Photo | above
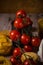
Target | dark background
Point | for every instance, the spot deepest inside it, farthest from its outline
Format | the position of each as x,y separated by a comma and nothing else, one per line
30,6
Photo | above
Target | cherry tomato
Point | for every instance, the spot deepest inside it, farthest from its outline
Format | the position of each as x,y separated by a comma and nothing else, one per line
28,21
29,62
17,52
18,23
13,60
14,35
20,13
26,62
27,48
35,41
25,39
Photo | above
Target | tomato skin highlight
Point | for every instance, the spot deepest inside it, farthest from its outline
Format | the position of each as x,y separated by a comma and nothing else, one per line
21,13
13,60
14,35
22,22
29,62
35,41
26,62
18,23
17,52
27,48
25,39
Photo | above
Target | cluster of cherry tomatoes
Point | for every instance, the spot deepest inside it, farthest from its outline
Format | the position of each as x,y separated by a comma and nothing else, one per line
21,20
28,42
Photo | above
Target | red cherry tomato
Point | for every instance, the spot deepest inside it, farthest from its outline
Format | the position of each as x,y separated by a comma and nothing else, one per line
13,60
27,48
21,13
26,62
25,39
28,21
18,23
17,52
14,35
35,41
